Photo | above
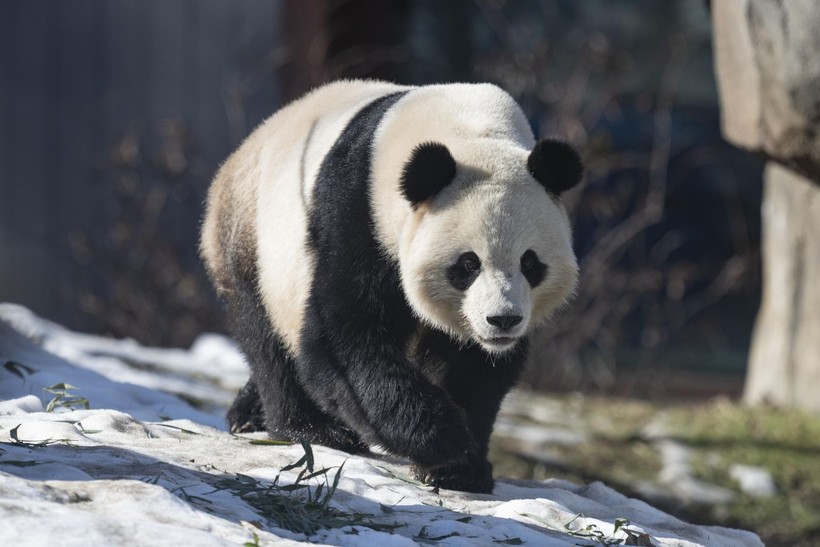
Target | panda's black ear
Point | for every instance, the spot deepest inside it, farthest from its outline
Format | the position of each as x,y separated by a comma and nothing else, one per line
556,165
430,168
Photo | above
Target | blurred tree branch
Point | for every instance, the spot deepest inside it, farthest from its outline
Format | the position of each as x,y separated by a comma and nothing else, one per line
636,290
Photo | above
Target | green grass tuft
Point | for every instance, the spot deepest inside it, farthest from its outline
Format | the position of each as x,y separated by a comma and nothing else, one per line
63,398
303,506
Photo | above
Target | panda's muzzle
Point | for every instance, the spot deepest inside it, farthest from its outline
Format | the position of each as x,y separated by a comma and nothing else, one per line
502,325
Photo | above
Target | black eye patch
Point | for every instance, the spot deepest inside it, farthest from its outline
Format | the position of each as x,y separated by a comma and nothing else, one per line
464,272
533,269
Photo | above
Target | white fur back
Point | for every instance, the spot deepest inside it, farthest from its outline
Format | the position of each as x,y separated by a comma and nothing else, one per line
279,163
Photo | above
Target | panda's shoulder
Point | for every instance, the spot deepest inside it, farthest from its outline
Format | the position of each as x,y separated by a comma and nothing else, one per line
459,94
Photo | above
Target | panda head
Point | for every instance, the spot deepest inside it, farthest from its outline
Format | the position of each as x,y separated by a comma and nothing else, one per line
487,252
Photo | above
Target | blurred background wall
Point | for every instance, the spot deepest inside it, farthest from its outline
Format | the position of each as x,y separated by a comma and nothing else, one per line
115,115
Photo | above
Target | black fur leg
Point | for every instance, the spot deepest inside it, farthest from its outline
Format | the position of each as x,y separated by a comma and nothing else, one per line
474,476
273,395
477,383
384,399
291,415
246,414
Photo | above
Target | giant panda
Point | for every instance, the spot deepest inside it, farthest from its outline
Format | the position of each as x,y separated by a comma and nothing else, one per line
383,252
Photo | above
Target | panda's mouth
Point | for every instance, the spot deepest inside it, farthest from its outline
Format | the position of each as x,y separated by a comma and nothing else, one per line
498,343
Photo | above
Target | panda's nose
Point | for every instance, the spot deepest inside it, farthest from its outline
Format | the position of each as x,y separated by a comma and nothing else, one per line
504,322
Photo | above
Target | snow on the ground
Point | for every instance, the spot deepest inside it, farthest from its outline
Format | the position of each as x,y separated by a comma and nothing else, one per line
753,480
143,467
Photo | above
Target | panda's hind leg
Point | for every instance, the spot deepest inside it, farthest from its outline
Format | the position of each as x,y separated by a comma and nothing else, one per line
273,399
246,414
290,414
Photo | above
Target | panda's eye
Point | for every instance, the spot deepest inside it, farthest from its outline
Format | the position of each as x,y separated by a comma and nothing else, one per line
533,269
528,261
470,262
464,271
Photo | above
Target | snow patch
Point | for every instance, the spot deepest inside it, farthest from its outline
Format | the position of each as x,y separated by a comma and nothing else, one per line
143,467
753,480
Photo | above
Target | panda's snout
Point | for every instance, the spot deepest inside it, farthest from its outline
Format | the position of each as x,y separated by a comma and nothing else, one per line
504,322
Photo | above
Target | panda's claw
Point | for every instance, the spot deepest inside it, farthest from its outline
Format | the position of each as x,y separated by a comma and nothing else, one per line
467,477
246,427
335,437
344,440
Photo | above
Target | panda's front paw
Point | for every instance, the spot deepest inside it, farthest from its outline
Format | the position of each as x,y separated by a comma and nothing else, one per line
342,439
246,414
472,476
443,438
332,435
